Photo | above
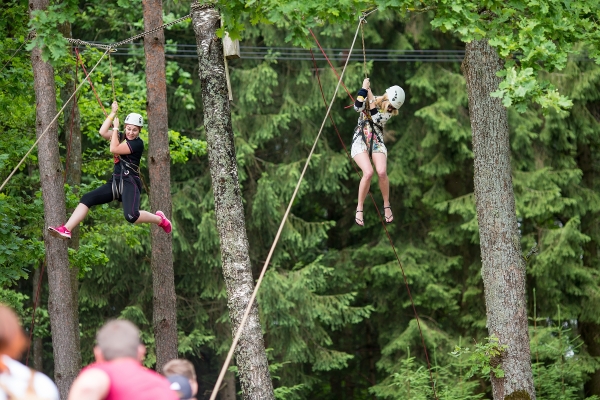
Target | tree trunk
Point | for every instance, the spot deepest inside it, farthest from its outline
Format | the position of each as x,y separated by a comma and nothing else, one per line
228,392
251,358
37,347
590,333
503,268
72,128
62,309
159,164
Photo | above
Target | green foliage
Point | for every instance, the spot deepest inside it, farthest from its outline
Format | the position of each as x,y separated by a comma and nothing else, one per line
334,305
560,367
45,25
484,358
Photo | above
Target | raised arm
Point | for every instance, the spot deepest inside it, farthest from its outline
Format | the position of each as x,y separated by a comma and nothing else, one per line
104,129
91,384
365,96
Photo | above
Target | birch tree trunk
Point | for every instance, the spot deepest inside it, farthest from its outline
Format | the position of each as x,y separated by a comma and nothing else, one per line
503,268
61,307
251,358
159,163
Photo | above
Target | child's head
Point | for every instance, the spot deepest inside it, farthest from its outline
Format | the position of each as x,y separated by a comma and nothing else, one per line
182,367
12,338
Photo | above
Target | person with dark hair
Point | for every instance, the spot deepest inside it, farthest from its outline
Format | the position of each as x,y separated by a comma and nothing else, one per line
16,380
118,373
125,184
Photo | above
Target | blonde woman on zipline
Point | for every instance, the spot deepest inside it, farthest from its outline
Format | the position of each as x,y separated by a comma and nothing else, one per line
367,143
125,184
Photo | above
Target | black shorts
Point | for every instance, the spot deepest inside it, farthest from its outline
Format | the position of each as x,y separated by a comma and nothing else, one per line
130,197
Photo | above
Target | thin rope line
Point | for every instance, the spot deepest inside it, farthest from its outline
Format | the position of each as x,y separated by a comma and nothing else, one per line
72,123
35,303
264,269
51,122
15,53
112,79
362,34
90,81
391,244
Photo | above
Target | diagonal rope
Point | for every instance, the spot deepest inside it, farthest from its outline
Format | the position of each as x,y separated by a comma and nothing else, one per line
15,53
283,221
52,122
386,232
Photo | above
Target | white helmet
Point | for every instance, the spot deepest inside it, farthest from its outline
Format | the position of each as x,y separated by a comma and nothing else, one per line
396,96
137,120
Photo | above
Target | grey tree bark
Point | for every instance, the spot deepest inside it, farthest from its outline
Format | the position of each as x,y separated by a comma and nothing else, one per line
251,358
159,164
503,268
61,307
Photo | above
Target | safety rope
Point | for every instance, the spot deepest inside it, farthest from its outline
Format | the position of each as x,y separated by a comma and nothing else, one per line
283,221
112,79
71,125
363,21
381,219
51,123
90,80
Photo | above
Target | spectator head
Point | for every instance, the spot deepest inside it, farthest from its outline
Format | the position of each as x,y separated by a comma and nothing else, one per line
12,338
119,339
181,385
183,368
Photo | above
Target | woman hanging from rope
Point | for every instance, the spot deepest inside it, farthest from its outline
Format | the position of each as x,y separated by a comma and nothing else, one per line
125,184
368,141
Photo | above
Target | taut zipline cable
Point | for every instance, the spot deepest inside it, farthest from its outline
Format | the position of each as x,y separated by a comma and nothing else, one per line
51,122
284,219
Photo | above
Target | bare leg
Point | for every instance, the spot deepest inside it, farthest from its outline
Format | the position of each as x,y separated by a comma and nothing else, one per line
78,215
148,218
380,161
362,160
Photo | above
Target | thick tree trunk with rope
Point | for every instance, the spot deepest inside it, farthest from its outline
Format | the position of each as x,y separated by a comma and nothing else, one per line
62,309
72,129
159,164
251,358
503,267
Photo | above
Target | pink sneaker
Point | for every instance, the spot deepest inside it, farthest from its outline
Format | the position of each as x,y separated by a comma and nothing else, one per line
60,232
165,223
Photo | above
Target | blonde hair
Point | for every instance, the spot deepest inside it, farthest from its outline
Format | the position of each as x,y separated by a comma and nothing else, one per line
382,103
180,366
12,338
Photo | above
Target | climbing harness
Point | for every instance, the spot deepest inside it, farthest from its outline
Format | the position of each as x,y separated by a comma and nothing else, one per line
129,171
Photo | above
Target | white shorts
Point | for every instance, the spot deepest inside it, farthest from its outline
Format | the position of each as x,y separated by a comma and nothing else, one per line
359,146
